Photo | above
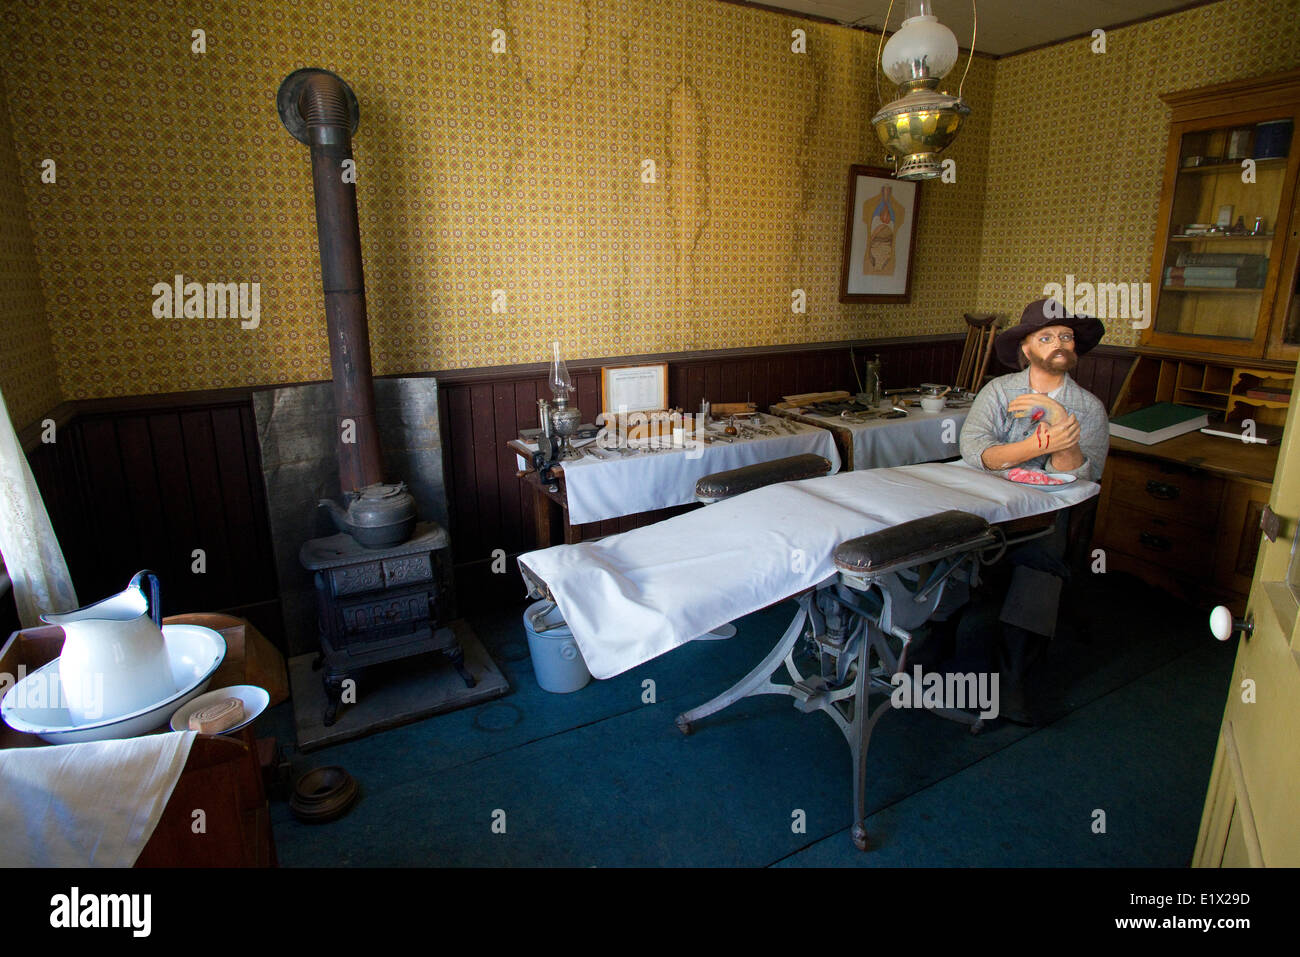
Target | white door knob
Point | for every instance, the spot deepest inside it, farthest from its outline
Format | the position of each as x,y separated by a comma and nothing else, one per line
1223,626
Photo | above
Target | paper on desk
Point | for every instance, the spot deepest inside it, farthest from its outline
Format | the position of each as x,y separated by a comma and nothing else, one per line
631,597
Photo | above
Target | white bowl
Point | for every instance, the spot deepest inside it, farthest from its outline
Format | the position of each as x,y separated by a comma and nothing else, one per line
253,698
35,704
932,403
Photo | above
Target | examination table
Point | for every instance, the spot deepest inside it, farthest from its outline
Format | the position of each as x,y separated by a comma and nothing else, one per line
867,555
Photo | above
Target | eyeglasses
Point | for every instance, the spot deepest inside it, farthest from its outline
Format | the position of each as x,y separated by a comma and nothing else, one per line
1046,339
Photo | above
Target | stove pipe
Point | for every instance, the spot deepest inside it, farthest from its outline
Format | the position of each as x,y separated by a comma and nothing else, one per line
319,109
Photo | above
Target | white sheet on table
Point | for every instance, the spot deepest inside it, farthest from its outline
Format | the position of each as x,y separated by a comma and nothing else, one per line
93,804
884,443
631,597
600,489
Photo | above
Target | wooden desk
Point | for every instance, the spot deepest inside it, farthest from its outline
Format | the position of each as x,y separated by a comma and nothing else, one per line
650,486
551,523
1226,457
1183,514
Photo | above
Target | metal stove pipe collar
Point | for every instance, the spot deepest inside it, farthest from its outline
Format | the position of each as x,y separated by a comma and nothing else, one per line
317,107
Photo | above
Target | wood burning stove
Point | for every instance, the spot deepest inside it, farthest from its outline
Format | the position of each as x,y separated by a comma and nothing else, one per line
379,604
374,604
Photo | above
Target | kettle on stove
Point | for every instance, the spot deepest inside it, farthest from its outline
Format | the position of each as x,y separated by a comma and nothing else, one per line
378,516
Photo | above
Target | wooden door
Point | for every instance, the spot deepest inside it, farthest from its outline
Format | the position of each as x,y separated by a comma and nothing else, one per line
1252,809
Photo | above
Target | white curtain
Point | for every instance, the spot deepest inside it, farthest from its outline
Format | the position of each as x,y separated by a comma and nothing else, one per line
31,552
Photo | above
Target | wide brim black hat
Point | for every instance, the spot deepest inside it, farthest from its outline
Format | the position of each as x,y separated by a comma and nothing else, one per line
1040,314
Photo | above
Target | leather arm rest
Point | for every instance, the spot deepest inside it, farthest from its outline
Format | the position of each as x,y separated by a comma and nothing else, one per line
722,485
914,542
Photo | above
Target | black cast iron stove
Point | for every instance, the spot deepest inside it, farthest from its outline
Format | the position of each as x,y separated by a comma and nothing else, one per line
383,585
380,604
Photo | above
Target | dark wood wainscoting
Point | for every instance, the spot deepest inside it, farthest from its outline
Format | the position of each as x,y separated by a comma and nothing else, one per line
490,509
141,482
169,486
1102,372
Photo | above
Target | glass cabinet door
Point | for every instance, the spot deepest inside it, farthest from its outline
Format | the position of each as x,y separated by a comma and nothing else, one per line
1221,232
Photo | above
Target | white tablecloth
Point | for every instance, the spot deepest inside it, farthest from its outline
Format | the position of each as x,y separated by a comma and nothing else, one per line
626,485
631,597
884,443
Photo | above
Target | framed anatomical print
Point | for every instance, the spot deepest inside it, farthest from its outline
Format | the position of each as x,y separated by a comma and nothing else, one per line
879,227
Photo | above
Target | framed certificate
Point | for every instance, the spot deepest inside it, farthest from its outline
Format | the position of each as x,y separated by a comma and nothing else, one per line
634,388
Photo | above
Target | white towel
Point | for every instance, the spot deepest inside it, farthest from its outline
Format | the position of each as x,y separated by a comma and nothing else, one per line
86,805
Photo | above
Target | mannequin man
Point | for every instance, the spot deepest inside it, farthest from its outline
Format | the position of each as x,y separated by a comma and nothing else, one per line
1038,418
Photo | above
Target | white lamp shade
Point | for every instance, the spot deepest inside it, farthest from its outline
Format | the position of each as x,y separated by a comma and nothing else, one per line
922,47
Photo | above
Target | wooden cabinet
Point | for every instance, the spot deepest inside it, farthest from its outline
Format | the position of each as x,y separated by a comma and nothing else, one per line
1183,515
1188,529
1224,275
1225,337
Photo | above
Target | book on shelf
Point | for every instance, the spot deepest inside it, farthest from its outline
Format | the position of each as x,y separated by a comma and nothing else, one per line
1269,395
1225,277
1235,260
1177,282
1254,434
1158,422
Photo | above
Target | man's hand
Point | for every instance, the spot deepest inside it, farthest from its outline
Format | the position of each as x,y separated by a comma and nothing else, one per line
1059,437
1023,405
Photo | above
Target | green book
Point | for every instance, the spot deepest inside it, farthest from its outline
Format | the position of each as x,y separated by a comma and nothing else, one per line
1158,422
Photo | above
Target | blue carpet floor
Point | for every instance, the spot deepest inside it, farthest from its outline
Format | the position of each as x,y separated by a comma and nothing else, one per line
603,778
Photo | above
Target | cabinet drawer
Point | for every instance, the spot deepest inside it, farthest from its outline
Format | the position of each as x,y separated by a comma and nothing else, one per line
1173,545
1166,490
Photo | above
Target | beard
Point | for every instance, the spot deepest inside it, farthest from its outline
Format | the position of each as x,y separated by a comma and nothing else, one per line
1056,363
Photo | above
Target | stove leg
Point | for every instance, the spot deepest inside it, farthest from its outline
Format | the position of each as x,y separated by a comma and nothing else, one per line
458,662
333,698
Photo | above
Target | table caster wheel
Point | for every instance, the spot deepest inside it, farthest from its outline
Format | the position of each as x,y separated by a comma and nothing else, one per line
859,837
683,725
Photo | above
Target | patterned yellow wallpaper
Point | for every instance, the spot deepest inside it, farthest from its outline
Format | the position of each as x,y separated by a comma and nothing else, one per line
519,171
501,150
1076,152
28,376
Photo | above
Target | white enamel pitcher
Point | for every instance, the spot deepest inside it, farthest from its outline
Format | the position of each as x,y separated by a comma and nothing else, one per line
114,660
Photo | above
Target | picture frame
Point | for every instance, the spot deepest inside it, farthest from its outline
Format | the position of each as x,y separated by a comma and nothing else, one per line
880,221
635,388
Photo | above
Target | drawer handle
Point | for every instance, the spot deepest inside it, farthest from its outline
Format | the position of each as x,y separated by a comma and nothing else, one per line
1156,543
1162,490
